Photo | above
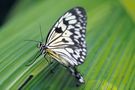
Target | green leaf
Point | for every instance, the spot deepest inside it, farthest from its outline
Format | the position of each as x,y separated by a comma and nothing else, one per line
110,44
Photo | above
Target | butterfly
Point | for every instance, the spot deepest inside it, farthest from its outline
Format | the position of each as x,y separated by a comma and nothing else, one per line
65,41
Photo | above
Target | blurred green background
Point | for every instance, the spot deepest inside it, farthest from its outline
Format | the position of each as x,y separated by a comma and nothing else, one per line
110,63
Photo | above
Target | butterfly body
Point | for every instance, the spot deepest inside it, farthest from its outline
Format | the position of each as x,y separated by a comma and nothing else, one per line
66,40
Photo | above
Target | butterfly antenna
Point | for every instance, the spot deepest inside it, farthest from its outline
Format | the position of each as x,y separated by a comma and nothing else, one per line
41,34
33,41
45,57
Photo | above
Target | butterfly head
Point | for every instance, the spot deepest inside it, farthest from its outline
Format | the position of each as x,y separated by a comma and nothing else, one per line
42,47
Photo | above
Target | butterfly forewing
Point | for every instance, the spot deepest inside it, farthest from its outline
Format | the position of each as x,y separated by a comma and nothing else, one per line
67,37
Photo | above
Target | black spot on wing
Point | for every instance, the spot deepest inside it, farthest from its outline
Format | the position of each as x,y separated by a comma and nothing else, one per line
64,40
58,30
79,60
65,22
75,53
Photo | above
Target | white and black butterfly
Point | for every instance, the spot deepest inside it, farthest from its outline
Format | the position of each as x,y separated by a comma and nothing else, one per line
66,40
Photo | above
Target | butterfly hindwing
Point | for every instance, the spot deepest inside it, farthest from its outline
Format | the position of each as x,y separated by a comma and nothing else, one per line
67,37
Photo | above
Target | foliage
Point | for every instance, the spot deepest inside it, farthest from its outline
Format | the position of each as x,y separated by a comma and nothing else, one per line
110,40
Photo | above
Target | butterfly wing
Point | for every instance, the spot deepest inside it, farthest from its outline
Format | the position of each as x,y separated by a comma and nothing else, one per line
67,37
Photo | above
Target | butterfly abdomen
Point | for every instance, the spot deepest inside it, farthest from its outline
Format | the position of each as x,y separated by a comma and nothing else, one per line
77,75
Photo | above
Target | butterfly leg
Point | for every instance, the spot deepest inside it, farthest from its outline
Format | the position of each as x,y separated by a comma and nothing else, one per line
49,61
34,59
76,74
